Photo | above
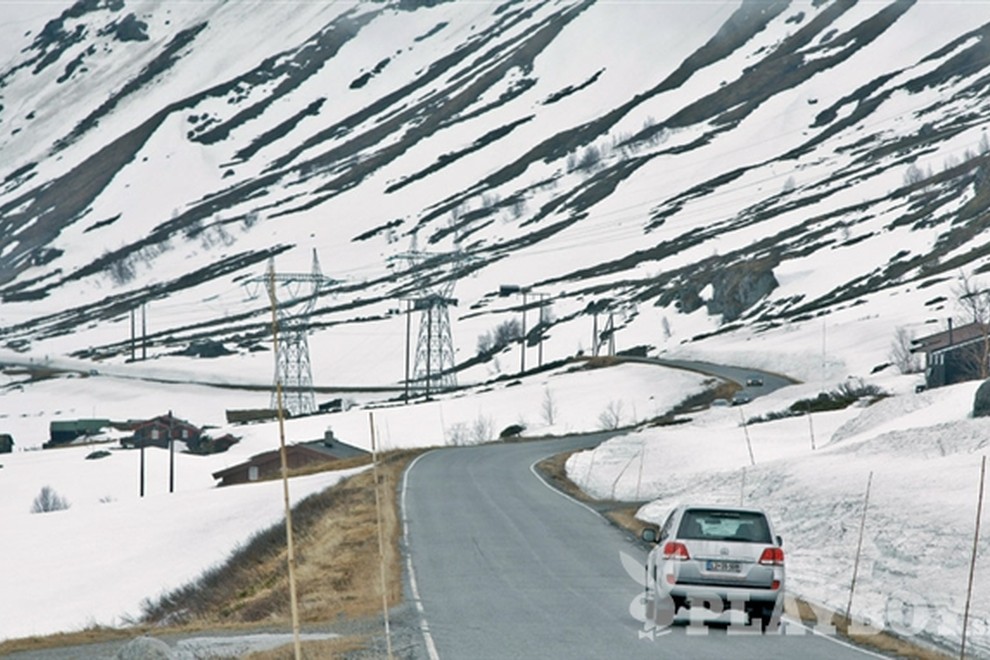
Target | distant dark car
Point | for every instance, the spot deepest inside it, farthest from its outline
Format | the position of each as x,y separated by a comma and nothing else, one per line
754,381
741,398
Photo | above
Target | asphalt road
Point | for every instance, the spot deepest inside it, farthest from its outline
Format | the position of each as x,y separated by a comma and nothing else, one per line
739,375
503,566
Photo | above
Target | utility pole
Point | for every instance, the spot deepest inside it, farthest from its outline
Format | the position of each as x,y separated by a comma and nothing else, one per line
609,331
144,333
611,335
509,289
522,345
171,454
596,307
141,488
409,304
594,334
543,319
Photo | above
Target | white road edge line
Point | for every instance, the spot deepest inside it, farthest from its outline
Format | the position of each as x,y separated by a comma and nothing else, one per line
424,627
532,468
836,640
831,638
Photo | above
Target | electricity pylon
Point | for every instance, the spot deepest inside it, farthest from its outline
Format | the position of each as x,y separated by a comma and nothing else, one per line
434,357
293,371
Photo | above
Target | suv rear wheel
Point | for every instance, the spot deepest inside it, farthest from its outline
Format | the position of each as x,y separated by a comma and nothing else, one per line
768,623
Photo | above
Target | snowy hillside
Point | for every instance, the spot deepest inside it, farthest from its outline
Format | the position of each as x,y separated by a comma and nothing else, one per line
733,167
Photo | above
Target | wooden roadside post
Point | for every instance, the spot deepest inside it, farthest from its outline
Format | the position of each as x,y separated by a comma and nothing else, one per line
290,551
859,548
381,536
972,561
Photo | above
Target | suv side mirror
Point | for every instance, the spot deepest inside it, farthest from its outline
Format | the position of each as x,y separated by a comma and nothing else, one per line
780,541
649,535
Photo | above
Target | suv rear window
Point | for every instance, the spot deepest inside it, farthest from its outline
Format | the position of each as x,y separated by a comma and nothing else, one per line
720,525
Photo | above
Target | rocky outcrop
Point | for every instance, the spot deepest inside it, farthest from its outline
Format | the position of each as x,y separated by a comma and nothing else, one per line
981,401
740,286
145,648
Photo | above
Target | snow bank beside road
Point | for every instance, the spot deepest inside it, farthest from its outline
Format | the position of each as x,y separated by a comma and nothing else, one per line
924,453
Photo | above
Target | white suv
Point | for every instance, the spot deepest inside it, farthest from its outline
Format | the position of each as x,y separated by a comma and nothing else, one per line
719,558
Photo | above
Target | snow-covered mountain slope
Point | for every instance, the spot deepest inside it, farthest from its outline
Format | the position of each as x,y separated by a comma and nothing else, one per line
702,172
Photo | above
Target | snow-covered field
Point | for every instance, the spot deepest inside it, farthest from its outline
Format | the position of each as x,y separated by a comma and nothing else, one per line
112,549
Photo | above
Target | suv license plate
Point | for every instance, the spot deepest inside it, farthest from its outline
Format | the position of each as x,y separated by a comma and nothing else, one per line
723,566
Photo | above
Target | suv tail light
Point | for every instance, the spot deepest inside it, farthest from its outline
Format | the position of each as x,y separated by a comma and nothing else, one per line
772,557
675,550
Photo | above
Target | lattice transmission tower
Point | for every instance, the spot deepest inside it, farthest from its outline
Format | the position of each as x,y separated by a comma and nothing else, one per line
433,366
291,311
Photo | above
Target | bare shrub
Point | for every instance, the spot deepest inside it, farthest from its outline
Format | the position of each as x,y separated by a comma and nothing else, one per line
483,429
504,334
48,500
214,236
854,389
974,300
122,271
548,408
900,352
457,434
486,343
665,328
250,219
590,158
490,200
518,208
913,175
587,161
611,417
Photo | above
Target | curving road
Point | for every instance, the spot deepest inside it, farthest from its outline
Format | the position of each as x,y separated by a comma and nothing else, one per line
503,566
738,375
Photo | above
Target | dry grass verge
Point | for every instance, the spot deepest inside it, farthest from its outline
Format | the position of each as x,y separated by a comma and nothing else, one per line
337,568
328,648
623,515
58,640
338,575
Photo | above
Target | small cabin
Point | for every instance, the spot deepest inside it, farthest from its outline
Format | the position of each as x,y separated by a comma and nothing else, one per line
159,431
268,465
955,355
64,432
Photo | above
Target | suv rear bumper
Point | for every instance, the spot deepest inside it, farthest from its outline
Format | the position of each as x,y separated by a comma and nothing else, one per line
729,597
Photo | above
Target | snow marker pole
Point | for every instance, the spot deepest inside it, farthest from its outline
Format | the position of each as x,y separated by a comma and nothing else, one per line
749,444
742,488
642,459
972,561
381,535
811,427
859,548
